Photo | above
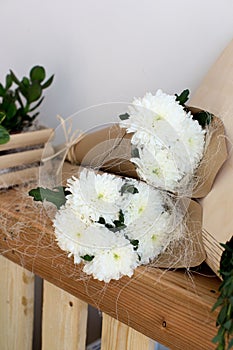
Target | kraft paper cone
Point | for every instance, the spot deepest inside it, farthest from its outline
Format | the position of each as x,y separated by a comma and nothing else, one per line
215,95
109,149
188,250
214,157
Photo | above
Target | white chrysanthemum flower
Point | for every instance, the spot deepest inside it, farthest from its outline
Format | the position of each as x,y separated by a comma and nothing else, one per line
155,239
158,167
144,206
192,136
79,239
95,195
148,114
113,264
170,143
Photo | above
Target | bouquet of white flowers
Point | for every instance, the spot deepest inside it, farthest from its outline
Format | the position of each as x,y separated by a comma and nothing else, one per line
112,223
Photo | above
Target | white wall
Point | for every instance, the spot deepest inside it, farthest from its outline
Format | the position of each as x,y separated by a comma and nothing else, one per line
109,50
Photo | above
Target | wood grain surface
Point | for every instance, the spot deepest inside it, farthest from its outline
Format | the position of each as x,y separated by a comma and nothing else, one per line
64,320
16,306
172,307
118,336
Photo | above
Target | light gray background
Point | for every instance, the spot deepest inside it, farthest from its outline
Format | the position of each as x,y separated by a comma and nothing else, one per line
102,51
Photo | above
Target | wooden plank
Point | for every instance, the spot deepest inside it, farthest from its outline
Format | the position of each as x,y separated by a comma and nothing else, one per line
172,307
25,139
215,95
118,336
16,306
64,320
20,158
19,177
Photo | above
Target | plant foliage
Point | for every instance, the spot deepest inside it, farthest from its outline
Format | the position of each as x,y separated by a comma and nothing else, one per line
203,117
224,337
19,100
57,196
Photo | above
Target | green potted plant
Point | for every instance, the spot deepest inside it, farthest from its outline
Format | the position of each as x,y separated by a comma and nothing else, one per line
20,147
19,100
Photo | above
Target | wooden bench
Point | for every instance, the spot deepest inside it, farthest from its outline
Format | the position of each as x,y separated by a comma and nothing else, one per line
171,307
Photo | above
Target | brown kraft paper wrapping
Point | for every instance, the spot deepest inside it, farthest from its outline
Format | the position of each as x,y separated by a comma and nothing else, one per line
184,252
109,149
188,251
215,95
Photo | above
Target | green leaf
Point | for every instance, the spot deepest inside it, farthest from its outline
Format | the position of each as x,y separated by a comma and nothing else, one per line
230,345
2,116
231,300
222,315
118,225
34,92
128,188
25,81
121,217
4,135
37,73
134,242
47,83
101,220
55,196
217,304
34,116
183,97
227,325
203,117
37,105
220,336
14,78
9,81
124,116
2,90
135,153
87,257
11,110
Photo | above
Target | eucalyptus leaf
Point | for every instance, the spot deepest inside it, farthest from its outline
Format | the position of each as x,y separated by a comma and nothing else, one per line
203,117
183,97
55,196
127,187
135,153
87,257
101,221
135,243
124,116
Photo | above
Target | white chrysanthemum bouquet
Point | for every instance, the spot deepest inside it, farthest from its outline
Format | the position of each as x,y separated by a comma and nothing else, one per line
167,143
111,223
